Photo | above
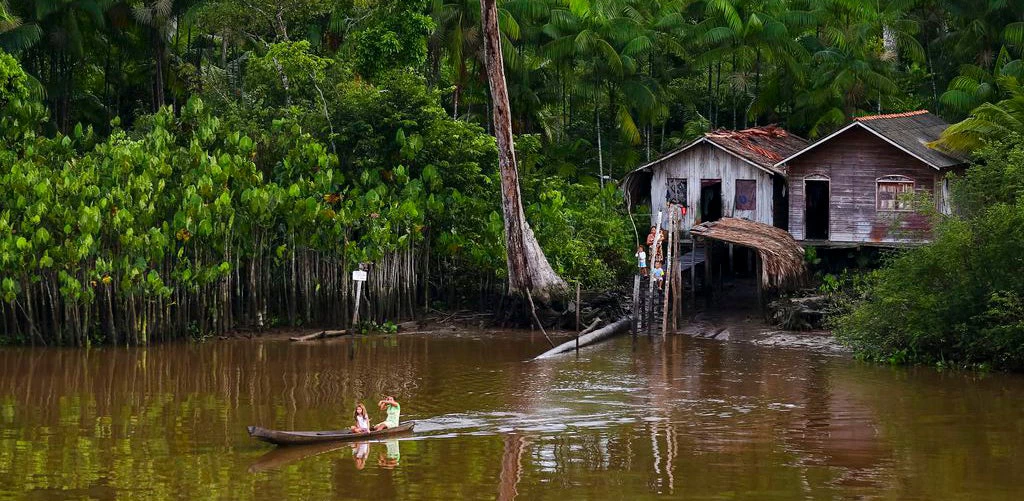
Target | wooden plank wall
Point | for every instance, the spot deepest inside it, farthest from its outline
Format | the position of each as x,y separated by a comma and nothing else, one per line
705,161
853,161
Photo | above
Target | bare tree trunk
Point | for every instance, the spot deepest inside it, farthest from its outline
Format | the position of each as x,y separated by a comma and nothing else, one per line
528,268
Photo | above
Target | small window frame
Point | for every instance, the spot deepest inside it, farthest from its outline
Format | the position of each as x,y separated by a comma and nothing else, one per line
736,191
686,191
905,184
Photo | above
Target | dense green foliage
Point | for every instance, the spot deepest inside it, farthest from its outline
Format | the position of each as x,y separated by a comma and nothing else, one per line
960,300
605,83
187,224
208,164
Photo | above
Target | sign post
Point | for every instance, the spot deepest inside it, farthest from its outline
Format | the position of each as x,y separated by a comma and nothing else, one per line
358,276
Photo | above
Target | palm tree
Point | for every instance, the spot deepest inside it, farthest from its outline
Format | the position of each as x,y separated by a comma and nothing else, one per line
161,19
50,36
989,121
753,35
854,49
604,43
16,36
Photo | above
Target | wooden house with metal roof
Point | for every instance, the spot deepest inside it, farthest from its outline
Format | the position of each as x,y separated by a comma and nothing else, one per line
720,174
855,185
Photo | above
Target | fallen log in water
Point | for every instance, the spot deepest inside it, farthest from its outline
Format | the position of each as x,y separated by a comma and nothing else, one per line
606,332
320,335
590,328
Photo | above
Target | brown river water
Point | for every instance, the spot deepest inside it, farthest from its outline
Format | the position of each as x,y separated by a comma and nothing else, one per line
642,418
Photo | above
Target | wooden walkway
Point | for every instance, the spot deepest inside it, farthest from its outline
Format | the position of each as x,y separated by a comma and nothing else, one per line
692,258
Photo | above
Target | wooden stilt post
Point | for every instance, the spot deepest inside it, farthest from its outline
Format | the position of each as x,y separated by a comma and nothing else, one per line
709,286
655,247
731,271
668,270
693,267
760,280
677,287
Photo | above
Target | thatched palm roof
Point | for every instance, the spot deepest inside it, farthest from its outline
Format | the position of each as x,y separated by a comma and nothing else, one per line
782,257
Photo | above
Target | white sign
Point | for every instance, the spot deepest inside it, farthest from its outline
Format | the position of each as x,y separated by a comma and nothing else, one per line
359,276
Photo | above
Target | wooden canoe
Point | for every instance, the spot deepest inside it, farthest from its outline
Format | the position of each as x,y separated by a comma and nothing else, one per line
278,437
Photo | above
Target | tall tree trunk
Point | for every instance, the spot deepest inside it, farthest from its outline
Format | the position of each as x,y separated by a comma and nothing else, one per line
158,77
600,154
528,268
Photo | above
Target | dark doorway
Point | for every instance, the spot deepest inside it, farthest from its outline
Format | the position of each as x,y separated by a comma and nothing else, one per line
816,213
710,200
780,203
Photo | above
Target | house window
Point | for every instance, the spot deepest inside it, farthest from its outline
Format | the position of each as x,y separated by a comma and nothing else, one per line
675,190
893,193
746,194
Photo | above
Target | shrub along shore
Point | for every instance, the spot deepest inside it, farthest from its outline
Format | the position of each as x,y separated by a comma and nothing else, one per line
959,301
183,226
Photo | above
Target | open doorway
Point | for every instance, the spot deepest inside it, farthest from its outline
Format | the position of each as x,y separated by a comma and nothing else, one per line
710,200
816,217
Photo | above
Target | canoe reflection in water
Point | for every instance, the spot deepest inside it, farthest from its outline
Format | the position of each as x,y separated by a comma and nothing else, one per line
389,459
283,456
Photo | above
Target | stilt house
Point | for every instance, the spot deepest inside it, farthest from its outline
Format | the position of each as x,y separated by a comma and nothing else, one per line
855,185
721,174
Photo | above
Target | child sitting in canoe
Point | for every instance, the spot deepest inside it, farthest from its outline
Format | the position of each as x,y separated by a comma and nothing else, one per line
362,420
393,409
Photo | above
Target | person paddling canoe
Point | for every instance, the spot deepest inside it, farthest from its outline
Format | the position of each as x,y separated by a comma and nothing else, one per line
393,409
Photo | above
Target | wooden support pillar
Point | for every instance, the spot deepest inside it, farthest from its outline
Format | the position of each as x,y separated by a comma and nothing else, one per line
668,272
731,270
693,267
760,280
677,288
655,247
708,271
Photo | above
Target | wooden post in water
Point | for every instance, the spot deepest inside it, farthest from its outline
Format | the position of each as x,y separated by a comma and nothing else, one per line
636,303
668,271
655,247
577,306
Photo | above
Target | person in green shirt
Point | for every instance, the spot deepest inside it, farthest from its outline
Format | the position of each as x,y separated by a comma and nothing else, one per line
393,409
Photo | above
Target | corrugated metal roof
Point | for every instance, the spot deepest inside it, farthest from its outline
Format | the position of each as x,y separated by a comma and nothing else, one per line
910,132
913,131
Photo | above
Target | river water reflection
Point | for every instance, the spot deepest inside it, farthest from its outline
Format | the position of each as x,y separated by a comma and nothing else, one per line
683,417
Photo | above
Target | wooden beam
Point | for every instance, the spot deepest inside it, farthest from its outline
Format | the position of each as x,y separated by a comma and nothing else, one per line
655,247
667,287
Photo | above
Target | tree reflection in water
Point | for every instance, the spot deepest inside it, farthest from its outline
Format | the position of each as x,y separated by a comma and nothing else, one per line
629,418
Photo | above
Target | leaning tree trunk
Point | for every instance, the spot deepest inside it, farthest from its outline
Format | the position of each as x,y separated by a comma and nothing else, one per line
528,268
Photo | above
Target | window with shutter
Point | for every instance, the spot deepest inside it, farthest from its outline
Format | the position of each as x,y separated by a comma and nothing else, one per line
893,194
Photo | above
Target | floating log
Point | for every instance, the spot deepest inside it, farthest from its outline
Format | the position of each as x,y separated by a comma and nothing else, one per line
320,335
606,332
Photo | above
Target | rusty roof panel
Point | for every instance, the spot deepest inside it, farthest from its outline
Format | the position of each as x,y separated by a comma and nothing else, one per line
764,146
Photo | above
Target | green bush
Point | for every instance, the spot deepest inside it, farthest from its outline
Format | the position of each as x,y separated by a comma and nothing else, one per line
958,300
